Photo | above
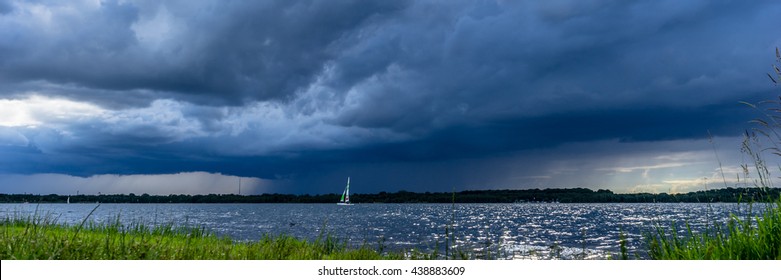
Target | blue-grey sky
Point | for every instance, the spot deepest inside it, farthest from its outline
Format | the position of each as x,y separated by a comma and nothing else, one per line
294,96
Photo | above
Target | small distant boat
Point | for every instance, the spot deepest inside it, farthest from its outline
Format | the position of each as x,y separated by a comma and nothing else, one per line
345,195
69,200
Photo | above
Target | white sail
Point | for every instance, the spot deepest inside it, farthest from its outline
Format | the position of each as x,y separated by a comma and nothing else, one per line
345,200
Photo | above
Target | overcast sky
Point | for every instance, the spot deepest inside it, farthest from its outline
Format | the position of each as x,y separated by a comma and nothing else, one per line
167,97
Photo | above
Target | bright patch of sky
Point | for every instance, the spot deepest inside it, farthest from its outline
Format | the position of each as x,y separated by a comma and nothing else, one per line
37,110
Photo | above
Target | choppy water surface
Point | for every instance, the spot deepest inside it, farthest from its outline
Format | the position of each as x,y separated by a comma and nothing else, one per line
511,231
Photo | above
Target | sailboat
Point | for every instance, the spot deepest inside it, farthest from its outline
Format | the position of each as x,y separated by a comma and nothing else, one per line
69,200
345,195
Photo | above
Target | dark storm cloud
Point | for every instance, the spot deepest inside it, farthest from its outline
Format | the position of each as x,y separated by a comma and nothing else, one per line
201,52
478,62
211,53
284,88
636,125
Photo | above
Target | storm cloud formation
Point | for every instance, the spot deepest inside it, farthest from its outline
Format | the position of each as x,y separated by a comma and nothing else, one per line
406,92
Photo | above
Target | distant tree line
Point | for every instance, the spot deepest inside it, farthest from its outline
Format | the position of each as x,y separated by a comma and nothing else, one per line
573,195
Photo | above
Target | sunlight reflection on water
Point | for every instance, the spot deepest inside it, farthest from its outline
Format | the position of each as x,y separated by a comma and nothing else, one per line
505,231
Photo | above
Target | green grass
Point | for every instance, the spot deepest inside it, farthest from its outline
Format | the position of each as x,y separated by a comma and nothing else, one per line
755,237
41,238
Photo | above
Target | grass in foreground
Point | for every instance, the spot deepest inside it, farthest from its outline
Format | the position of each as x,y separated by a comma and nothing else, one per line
41,238
752,238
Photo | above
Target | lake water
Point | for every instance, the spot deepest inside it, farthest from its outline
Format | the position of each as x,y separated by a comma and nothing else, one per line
506,231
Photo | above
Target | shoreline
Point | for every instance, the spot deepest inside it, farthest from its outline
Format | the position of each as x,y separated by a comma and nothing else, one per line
573,195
